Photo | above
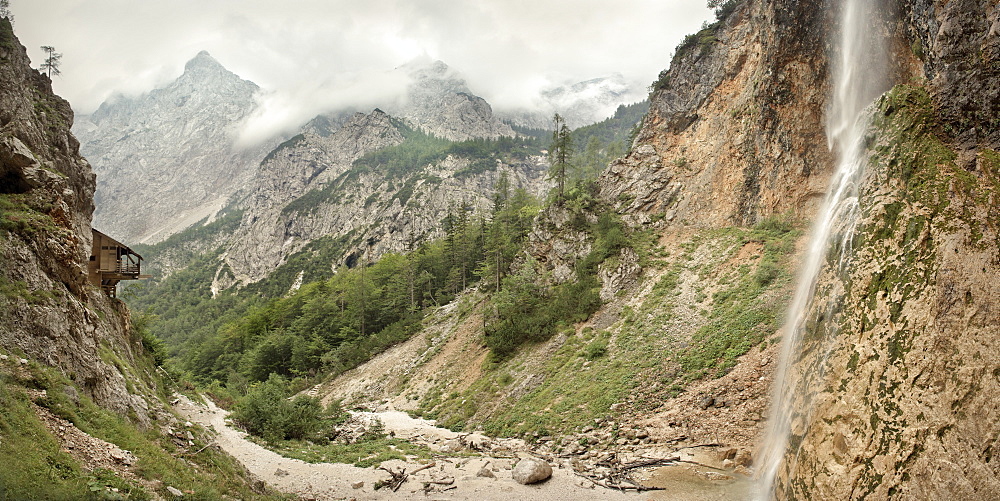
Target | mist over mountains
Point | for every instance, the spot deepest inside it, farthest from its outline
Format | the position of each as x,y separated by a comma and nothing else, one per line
178,154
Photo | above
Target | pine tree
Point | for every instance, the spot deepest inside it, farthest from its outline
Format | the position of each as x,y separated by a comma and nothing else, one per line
559,155
5,10
51,64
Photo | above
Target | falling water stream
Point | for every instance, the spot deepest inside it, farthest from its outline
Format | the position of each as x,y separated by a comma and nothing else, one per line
859,77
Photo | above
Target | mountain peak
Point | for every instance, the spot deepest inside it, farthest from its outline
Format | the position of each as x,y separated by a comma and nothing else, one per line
203,60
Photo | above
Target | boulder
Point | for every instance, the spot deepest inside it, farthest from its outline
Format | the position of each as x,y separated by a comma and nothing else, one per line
452,446
531,471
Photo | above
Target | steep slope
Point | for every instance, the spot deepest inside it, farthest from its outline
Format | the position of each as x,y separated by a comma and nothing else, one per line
735,131
167,159
48,310
84,412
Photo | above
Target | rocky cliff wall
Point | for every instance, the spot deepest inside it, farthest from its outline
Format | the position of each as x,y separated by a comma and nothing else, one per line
904,407
735,130
48,311
900,378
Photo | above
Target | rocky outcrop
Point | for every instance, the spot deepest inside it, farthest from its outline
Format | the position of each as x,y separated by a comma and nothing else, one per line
300,165
48,312
168,159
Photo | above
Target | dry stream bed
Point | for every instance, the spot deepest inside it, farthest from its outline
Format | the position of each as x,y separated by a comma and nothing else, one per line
472,466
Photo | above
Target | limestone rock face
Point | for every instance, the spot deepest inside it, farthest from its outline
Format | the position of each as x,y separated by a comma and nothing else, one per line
298,166
735,130
902,358
306,190
557,242
48,311
168,158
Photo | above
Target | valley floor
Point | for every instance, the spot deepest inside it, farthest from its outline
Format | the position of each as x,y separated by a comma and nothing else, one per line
456,474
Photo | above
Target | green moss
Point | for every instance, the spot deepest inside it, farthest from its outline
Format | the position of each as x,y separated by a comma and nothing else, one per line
917,48
852,364
701,41
912,151
18,289
7,39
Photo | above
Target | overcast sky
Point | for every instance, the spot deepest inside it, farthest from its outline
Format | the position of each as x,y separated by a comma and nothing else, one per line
303,51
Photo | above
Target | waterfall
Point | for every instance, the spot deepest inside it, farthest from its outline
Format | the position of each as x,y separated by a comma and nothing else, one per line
859,77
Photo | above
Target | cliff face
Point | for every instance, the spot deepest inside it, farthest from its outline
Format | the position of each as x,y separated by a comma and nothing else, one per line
904,371
48,312
167,159
900,359
735,129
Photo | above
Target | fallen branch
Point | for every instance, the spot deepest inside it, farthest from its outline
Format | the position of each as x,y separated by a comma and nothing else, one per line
651,462
203,448
618,487
424,467
618,476
398,477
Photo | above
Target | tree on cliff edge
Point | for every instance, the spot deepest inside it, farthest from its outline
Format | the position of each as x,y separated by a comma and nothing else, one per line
51,64
5,10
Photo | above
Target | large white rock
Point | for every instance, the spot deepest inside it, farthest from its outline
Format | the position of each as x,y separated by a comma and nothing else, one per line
531,471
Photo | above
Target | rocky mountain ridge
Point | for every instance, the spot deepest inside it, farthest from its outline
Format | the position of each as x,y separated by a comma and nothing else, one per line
439,102
310,190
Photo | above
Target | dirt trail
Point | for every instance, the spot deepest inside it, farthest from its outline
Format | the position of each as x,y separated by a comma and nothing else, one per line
330,481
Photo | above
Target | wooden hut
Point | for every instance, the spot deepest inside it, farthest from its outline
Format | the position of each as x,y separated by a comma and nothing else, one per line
111,262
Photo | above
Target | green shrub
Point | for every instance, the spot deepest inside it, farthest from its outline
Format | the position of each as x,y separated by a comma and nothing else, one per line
265,412
595,350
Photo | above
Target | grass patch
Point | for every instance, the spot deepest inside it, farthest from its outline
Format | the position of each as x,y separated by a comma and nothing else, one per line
42,471
25,214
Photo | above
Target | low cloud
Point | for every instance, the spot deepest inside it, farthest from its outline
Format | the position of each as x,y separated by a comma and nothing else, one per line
316,55
283,113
